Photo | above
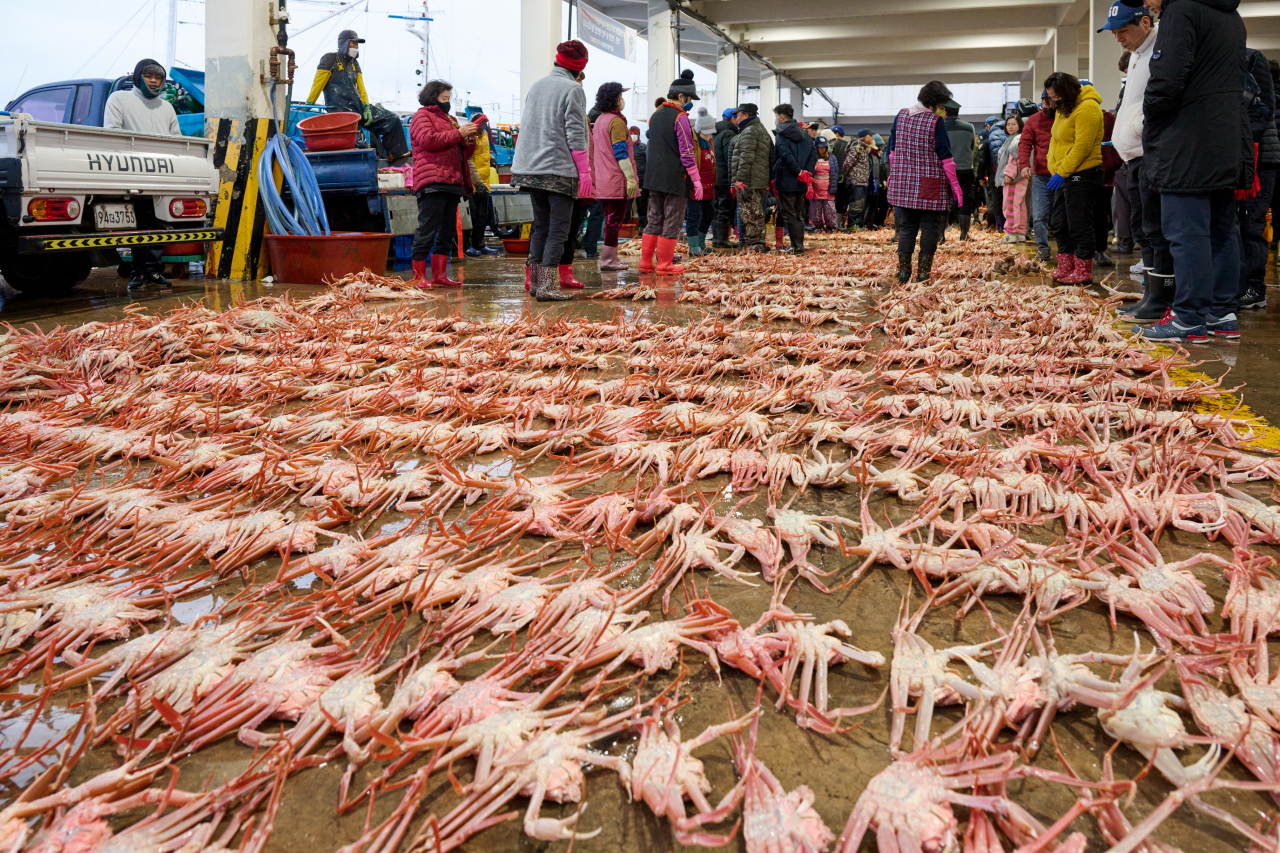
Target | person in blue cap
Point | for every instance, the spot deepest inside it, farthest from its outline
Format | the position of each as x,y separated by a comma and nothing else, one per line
725,207
1197,160
1135,30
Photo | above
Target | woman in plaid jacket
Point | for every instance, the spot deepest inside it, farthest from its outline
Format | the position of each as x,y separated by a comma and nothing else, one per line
922,173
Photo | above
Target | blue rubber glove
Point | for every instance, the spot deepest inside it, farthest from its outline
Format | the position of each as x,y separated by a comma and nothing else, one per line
1056,182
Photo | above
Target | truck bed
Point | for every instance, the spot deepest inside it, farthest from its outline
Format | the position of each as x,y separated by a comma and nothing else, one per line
77,159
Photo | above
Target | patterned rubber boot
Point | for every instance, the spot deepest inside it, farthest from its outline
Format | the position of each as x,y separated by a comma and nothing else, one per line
1066,268
904,268
546,285
924,270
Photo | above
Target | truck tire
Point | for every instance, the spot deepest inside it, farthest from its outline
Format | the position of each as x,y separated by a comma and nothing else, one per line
40,275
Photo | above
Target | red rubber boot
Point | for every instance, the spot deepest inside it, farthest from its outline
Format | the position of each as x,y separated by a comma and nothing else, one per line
527,273
648,244
420,275
779,234
439,273
1066,268
566,277
1082,273
667,251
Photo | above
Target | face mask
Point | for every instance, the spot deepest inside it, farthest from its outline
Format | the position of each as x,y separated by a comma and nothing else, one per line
353,52
687,107
635,138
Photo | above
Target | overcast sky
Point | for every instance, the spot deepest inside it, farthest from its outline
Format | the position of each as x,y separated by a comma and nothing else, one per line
474,45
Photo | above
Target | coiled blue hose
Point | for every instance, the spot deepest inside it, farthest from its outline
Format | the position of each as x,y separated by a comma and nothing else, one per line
307,217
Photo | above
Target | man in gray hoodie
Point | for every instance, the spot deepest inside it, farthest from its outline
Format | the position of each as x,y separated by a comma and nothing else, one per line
142,110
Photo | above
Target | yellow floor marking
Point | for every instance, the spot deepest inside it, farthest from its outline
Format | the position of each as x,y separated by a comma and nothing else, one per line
1266,436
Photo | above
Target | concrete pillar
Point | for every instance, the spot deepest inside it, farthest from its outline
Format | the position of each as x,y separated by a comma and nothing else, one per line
1027,86
541,29
726,79
1065,50
768,96
795,97
239,35
662,51
1041,68
1104,55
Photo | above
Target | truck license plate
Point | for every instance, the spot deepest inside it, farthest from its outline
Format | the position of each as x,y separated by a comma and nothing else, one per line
110,216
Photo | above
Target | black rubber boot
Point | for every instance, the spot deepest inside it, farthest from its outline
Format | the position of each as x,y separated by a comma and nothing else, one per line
720,236
965,221
925,268
797,240
1137,308
904,268
1162,290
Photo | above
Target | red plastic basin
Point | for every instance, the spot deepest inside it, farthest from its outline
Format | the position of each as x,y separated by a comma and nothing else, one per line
310,260
330,131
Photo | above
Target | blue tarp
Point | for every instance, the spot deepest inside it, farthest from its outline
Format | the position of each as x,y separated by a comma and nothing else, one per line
192,81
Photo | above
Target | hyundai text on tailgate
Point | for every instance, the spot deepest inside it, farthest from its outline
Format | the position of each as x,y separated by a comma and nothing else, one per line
73,195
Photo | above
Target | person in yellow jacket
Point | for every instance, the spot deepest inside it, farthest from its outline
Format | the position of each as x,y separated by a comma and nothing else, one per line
479,201
1075,166
338,77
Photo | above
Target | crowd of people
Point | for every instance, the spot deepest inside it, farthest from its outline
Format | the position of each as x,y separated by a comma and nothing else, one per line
1194,203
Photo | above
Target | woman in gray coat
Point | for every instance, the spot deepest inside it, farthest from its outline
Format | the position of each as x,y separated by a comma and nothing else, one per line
552,164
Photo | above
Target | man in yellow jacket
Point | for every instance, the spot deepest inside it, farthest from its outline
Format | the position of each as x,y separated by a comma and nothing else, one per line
338,77
1075,164
479,200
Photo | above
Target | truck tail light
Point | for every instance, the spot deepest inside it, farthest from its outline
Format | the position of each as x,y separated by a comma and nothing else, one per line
187,208
54,209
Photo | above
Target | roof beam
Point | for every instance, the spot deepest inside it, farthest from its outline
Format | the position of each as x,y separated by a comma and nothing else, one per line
1032,40
917,78
816,66
975,21
763,11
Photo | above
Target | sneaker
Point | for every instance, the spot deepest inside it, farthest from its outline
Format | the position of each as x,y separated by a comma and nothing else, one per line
1253,299
1138,269
1226,327
1043,255
1170,329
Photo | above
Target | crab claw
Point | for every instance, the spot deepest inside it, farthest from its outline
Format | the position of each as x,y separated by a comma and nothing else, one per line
551,829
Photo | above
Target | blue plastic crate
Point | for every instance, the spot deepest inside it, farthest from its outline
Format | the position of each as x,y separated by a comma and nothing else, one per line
403,247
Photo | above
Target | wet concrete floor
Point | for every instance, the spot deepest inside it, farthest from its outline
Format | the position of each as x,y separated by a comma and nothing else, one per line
835,767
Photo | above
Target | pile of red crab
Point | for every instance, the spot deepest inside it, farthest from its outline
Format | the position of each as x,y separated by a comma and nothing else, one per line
826,564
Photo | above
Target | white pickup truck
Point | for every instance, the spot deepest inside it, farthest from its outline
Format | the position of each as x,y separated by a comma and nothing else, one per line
71,195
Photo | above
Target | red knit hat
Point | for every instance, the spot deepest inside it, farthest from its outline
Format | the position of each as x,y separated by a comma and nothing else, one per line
571,55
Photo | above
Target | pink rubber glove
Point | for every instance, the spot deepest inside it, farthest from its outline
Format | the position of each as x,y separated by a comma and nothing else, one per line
804,177
697,190
949,166
586,189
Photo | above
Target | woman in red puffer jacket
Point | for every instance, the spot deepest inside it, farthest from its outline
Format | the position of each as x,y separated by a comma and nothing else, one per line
441,150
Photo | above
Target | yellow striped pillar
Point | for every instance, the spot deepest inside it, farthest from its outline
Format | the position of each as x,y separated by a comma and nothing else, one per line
239,209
